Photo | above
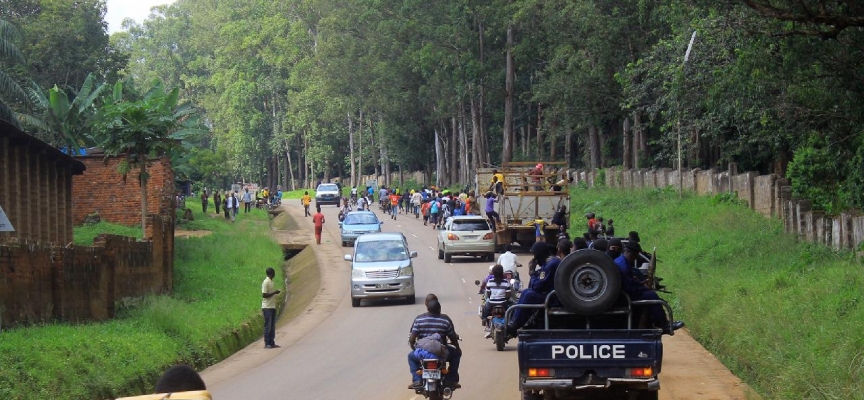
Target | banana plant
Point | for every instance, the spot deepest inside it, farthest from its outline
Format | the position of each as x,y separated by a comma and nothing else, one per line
9,89
64,121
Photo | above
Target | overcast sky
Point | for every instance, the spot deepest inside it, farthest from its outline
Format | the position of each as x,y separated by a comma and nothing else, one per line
118,10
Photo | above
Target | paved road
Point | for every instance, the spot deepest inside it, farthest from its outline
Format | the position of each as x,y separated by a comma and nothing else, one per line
335,352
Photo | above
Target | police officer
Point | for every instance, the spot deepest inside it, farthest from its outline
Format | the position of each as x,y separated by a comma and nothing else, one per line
542,282
638,291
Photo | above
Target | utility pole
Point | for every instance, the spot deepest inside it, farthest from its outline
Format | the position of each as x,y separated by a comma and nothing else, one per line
680,169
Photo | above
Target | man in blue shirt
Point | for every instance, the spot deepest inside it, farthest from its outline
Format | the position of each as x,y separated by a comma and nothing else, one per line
637,289
542,282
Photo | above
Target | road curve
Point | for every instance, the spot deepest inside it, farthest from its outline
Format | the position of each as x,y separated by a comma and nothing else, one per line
335,351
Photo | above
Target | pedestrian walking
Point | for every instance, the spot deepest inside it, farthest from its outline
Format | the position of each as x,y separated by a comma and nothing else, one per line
225,205
236,207
306,200
318,220
247,201
204,198
268,308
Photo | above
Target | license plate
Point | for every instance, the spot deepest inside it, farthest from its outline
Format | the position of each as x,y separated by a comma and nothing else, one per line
470,237
431,374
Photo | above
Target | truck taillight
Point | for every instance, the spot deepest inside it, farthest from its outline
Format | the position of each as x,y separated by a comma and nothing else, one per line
646,372
540,372
487,236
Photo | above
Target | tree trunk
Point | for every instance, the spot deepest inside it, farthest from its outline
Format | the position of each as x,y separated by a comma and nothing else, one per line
142,181
362,183
463,146
568,146
351,150
593,148
628,154
290,166
475,135
539,132
439,158
454,150
507,145
636,138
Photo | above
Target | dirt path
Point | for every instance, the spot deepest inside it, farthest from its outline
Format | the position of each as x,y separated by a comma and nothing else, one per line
692,373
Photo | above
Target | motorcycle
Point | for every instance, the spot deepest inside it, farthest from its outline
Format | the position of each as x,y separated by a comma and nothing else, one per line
432,372
495,324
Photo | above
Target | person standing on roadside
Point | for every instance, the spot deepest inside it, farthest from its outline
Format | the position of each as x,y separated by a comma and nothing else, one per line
204,198
230,206
318,220
236,208
217,200
268,308
247,201
306,200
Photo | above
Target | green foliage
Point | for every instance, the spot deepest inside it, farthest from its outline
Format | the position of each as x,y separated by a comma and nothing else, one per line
765,304
65,121
9,89
213,286
817,173
83,235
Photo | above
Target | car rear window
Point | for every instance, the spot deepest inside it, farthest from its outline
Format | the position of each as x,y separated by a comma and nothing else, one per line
380,250
470,225
361,219
328,188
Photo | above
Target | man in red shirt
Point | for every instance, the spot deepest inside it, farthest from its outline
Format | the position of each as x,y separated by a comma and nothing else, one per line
318,219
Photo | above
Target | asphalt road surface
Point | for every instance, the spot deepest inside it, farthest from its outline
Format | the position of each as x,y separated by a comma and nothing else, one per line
340,352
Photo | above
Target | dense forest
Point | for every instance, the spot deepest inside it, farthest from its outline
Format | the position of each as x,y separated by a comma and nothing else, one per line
298,90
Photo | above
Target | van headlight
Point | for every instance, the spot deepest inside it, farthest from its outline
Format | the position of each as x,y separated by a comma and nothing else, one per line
358,273
406,271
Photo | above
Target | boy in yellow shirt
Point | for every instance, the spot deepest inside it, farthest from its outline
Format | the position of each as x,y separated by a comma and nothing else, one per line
306,200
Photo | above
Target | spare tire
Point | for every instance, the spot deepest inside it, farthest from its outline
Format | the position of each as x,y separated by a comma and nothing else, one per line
587,282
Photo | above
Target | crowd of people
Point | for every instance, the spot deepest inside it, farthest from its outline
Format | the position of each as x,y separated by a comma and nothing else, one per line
230,202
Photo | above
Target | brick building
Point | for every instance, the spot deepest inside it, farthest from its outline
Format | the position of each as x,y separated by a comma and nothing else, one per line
102,189
36,187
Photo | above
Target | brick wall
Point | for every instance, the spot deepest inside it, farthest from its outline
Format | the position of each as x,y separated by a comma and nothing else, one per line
102,189
44,282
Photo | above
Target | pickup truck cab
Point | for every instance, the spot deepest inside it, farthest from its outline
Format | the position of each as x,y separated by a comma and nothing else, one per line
568,353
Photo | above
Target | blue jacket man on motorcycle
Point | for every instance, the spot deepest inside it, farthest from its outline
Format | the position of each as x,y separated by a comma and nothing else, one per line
542,282
427,324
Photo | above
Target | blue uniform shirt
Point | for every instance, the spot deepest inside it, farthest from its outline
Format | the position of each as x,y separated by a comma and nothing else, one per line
544,281
628,283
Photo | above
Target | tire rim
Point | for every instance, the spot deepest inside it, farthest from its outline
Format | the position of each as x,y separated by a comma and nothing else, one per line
588,282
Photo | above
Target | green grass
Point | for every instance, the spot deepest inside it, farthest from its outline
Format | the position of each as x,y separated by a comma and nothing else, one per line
214,311
85,234
783,315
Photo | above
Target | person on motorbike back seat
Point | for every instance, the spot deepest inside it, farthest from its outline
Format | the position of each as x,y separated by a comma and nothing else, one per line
497,292
427,324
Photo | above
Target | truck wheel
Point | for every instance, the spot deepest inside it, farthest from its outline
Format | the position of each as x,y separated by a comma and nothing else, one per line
645,395
531,396
587,282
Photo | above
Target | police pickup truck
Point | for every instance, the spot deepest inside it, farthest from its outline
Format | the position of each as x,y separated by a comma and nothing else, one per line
589,340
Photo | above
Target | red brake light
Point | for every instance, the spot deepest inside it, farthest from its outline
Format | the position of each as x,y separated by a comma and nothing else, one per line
430,364
487,236
541,372
452,236
641,372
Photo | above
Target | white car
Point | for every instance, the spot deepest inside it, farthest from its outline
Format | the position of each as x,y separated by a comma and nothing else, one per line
466,235
381,268
328,193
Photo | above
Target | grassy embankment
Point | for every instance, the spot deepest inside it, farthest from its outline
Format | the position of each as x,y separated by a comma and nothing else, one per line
214,311
783,315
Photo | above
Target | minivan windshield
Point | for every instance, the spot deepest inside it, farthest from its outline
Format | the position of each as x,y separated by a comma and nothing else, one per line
360,219
328,188
470,225
380,250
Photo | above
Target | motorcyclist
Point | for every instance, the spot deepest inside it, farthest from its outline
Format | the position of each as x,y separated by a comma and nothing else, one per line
510,262
354,193
497,292
427,324
542,282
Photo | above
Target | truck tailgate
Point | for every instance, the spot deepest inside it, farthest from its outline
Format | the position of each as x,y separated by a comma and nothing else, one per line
606,353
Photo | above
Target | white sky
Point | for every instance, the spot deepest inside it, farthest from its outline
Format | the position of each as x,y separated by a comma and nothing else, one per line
118,10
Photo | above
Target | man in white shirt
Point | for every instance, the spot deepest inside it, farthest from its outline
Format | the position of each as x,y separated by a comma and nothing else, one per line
268,308
508,260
